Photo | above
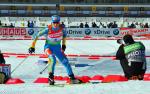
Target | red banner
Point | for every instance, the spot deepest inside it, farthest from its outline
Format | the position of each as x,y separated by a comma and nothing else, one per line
134,31
13,31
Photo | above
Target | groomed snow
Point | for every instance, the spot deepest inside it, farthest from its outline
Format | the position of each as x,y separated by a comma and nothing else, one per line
29,69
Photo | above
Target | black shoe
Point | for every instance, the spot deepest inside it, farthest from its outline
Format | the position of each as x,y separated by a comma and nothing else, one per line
133,78
51,79
73,80
140,77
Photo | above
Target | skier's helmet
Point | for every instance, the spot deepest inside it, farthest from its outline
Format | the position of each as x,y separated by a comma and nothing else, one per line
55,19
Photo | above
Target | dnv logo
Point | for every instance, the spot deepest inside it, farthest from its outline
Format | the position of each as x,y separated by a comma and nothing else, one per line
115,31
87,31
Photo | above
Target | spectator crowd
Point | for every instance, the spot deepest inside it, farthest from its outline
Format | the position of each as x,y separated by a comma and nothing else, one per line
82,24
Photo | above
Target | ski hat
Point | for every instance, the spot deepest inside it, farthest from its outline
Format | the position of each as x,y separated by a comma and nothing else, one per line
55,18
128,39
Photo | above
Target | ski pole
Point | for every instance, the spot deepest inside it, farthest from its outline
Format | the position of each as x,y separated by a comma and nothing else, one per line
19,64
44,69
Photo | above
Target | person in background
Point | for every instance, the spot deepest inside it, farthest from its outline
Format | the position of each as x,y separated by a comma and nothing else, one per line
81,25
3,76
0,23
54,34
5,25
11,25
135,54
146,25
30,24
2,60
86,25
132,25
114,25
63,25
94,25
123,61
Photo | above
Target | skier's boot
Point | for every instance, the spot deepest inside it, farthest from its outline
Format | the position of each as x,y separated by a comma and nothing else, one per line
133,78
73,80
51,79
141,77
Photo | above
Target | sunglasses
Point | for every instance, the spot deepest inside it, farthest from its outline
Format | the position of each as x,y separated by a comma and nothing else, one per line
55,22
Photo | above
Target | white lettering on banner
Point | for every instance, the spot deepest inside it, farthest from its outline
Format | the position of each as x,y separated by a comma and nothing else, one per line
134,31
94,32
74,32
12,31
101,32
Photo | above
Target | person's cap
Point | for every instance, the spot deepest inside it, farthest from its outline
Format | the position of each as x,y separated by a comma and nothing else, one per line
128,39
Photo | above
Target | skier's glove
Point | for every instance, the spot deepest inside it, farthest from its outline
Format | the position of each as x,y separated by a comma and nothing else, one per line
63,47
31,50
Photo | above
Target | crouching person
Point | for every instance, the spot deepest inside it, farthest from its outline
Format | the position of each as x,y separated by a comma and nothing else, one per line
5,70
2,60
135,55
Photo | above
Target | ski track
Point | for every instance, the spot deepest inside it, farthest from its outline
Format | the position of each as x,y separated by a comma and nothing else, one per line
29,69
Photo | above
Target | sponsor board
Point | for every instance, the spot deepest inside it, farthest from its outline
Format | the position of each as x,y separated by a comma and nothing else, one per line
94,32
76,32
12,31
134,31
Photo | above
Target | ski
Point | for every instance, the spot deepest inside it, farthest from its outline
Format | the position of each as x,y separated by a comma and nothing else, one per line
65,84
56,85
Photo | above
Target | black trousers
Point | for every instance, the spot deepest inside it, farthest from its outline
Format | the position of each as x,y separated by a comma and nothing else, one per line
137,68
126,68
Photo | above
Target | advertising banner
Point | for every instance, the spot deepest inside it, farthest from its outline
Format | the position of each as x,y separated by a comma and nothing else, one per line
94,32
134,31
12,31
75,32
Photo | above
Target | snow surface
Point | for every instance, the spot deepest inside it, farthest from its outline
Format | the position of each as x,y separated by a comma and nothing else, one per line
29,70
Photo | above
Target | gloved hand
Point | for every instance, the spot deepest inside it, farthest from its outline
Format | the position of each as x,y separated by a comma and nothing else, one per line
31,50
120,41
63,47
